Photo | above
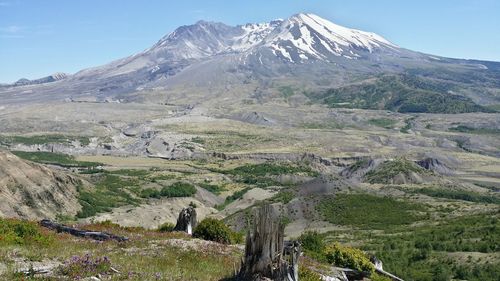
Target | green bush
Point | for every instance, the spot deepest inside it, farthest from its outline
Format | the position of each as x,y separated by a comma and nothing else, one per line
13,231
312,241
178,189
166,227
214,230
343,256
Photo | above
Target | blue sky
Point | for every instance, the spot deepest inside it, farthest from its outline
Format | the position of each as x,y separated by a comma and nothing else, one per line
38,37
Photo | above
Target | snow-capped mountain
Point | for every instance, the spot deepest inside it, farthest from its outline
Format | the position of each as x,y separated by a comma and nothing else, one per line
296,39
212,58
307,36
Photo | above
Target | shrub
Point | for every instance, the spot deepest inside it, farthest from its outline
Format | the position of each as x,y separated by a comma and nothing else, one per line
214,230
166,227
305,274
20,232
178,189
343,256
312,241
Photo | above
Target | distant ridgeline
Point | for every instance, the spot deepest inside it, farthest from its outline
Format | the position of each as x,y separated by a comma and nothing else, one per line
404,93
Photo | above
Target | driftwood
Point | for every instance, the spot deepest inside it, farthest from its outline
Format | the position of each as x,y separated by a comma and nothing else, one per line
96,235
267,256
186,221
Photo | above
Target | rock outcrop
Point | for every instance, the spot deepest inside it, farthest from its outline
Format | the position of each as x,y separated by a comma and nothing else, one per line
32,191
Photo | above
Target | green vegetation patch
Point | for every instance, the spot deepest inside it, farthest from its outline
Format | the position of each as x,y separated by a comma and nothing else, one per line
286,91
110,192
420,254
383,122
58,159
215,189
400,93
471,130
386,171
408,124
19,232
458,195
231,198
368,211
216,230
262,175
44,139
348,257
283,197
178,189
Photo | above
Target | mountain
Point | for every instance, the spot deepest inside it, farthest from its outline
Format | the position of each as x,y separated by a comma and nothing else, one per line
304,51
51,78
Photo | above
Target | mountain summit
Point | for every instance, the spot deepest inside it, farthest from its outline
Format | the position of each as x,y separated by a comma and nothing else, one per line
296,39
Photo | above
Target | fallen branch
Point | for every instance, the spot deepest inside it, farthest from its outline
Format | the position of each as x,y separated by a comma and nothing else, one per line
96,235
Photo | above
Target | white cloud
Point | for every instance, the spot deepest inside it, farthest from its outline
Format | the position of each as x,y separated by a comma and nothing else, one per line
11,29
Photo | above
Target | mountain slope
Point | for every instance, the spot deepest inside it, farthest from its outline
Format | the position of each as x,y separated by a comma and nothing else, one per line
29,190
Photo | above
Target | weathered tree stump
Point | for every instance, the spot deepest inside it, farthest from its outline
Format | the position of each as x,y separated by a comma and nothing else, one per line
96,235
186,221
266,254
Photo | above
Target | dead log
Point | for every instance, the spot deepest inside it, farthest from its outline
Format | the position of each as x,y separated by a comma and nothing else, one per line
96,235
266,254
186,221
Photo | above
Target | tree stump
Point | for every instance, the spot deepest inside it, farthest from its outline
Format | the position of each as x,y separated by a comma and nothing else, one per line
266,255
186,221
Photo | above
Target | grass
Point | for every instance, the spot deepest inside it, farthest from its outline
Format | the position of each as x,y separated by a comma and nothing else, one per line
386,171
44,139
368,211
58,159
383,122
148,255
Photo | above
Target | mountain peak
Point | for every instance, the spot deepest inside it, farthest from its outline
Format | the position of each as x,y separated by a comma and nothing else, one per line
302,37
